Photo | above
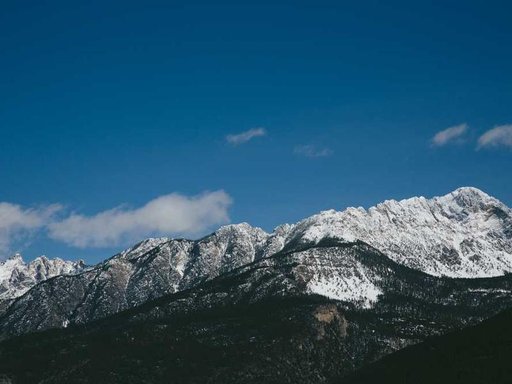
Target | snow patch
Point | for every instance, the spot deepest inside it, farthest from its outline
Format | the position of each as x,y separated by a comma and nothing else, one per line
354,290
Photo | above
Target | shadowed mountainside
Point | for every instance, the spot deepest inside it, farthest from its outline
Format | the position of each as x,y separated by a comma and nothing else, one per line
475,355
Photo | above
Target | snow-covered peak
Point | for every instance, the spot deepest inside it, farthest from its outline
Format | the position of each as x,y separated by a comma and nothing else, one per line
472,193
17,257
242,229
16,276
10,265
465,233
141,248
468,198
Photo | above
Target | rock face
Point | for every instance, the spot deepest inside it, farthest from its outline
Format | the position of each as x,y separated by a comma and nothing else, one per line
463,234
17,277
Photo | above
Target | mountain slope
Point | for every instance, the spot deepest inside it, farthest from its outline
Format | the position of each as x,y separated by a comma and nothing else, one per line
150,269
476,355
262,323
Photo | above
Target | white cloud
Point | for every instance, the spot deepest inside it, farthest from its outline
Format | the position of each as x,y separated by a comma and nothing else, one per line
244,137
449,135
497,137
18,224
312,151
172,214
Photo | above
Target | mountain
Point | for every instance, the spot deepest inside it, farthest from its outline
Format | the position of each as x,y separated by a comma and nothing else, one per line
150,269
476,355
17,277
263,322
310,302
463,234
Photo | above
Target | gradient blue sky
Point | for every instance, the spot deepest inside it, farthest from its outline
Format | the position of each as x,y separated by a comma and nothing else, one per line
110,103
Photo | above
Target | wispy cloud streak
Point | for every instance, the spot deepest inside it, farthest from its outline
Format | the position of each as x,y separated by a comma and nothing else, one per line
449,135
312,151
500,136
244,137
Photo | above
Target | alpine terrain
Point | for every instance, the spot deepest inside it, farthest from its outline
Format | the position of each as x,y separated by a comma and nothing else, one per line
17,277
311,302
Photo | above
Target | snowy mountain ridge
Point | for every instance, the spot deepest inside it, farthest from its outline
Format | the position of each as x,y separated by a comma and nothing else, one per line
463,234
17,277
466,233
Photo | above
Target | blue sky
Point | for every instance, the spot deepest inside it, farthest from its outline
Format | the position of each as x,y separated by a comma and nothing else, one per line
116,104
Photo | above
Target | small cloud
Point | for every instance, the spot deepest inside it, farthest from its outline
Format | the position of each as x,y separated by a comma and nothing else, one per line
18,224
500,136
172,214
244,137
312,151
449,135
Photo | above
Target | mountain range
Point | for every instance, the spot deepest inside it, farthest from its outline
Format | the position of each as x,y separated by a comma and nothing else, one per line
309,302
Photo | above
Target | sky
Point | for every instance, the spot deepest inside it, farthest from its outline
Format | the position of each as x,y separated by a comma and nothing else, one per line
121,120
